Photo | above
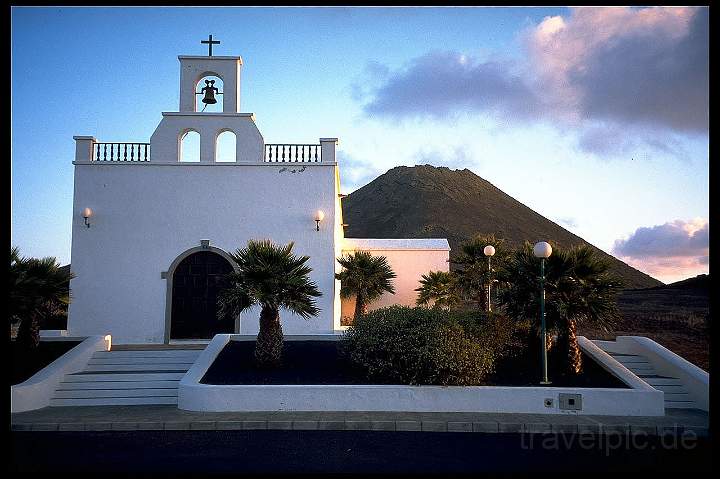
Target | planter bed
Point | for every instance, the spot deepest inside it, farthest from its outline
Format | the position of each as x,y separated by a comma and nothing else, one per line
290,388
26,363
321,362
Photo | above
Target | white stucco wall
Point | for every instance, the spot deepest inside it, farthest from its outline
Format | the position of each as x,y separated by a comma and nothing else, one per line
409,259
638,400
146,214
165,141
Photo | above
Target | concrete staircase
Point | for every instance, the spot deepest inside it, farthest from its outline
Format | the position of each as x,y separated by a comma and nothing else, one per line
676,395
128,376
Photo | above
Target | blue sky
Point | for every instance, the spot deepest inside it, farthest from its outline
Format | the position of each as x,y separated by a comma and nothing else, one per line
595,118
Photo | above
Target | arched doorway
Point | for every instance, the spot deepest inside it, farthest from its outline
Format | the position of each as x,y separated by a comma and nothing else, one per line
196,282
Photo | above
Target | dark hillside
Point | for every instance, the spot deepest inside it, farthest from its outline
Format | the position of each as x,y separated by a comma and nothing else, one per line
676,316
437,202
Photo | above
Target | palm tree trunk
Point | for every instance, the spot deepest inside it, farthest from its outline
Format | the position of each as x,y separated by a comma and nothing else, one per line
360,307
549,341
574,354
29,332
269,344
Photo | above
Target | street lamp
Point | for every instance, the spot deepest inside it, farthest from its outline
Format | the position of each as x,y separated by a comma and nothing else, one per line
543,251
489,252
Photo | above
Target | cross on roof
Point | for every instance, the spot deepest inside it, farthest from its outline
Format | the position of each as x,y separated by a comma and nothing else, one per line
210,42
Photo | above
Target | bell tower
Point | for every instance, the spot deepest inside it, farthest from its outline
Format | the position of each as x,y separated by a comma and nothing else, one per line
194,68
166,143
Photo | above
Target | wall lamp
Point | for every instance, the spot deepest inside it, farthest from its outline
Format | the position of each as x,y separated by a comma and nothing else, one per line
87,213
319,216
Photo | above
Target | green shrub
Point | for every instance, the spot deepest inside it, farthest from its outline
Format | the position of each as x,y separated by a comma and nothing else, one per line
403,345
499,334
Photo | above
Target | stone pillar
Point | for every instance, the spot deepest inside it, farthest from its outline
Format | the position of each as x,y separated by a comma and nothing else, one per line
84,147
327,148
207,145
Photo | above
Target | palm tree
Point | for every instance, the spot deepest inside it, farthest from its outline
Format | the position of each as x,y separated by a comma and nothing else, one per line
473,276
39,291
366,277
438,288
272,277
578,288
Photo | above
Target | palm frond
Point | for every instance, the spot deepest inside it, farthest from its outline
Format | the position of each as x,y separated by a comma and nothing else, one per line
270,275
439,288
365,274
578,286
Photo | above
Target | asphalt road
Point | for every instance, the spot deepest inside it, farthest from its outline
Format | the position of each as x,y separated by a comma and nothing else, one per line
348,451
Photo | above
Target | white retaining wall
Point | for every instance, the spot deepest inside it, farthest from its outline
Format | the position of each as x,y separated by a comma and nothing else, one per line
194,396
36,392
53,333
666,363
611,365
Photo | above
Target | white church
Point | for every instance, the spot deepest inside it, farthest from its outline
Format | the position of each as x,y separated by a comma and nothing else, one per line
152,229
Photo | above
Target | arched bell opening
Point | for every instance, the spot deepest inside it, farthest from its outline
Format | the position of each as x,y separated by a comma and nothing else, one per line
209,93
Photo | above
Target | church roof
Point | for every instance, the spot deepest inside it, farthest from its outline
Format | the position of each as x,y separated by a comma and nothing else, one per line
368,244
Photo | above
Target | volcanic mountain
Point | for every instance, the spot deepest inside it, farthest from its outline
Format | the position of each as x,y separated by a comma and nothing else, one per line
437,202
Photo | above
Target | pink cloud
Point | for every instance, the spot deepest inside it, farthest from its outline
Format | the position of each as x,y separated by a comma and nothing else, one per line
669,270
670,252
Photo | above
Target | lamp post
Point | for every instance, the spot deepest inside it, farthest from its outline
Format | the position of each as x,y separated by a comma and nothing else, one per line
543,251
489,252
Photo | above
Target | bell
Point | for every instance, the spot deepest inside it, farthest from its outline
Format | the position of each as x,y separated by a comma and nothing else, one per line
209,90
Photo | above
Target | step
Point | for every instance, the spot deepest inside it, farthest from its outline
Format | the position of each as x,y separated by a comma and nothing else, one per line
180,353
150,368
635,363
642,371
162,376
143,360
70,386
681,405
127,401
677,397
662,381
632,359
671,388
638,366
115,393
161,347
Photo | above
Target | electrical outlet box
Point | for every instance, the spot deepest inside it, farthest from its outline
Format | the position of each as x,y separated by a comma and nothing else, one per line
570,402
548,402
